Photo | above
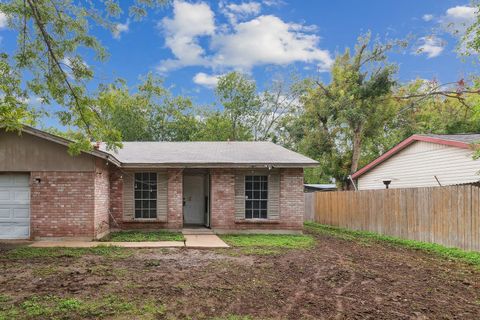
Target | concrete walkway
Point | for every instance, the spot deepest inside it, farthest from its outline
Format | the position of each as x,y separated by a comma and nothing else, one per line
191,241
204,241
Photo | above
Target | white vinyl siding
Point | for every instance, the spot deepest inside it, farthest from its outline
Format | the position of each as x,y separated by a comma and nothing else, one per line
418,164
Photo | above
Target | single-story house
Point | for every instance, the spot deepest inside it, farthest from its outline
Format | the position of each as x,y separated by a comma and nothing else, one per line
423,161
226,186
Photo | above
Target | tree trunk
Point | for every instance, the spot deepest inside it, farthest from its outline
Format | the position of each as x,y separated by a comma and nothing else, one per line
357,148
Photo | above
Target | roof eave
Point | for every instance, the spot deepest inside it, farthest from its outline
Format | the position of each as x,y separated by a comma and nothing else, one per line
405,143
56,139
216,165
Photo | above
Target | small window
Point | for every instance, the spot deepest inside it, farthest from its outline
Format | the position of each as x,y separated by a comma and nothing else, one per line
256,197
145,195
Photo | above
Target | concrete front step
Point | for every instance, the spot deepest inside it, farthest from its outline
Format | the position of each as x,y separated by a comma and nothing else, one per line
195,231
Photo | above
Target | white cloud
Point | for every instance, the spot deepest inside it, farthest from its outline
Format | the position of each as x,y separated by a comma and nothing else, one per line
235,12
271,3
206,80
432,46
427,17
120,28
268,40
190,20
461,13
3,20
263,40
457,19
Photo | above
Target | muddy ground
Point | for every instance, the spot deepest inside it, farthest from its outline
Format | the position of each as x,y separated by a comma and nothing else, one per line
338,279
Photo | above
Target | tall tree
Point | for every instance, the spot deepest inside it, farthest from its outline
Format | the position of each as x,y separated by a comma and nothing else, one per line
48,61
278,101
152,113
240,101
341,117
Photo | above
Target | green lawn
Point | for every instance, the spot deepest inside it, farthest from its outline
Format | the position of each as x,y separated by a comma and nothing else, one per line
470,257
31,253
269,240
54,307
140,236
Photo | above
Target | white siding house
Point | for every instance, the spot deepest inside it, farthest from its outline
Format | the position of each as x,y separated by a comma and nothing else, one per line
420,161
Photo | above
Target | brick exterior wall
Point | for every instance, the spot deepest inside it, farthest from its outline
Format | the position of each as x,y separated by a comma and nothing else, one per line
223,203
102,199
77,204
62,204
116,197
175,199
222,211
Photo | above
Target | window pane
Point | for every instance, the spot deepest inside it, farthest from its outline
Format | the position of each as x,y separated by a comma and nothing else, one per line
264,194
256,195
138,213
263,214
263,205
153,213
145,195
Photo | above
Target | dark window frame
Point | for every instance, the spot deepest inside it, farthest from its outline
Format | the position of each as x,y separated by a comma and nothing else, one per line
145,195
256,196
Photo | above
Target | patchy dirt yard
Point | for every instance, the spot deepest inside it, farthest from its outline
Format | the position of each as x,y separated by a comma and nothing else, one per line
335,279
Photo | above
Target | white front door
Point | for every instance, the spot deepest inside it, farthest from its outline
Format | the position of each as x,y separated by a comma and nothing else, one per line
194,199
14,206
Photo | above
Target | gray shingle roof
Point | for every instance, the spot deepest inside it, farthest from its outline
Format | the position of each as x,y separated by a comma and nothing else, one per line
466,138
213,154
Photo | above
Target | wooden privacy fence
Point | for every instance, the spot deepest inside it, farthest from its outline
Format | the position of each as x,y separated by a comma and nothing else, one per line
445,215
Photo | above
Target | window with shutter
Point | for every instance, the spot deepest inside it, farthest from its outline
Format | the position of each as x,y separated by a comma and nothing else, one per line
145,195
256,197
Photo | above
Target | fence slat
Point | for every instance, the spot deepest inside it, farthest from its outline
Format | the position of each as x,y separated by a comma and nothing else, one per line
446,215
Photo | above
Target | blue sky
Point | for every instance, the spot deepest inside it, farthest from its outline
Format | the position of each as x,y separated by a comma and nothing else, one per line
191,42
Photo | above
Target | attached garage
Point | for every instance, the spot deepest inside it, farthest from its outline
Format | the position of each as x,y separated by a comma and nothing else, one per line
14,206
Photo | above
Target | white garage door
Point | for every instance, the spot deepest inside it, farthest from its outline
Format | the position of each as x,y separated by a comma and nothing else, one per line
14,206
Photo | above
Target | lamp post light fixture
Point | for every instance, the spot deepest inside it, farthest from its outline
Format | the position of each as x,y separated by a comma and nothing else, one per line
387,182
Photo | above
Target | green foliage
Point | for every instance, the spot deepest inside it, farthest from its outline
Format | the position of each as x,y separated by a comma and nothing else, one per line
470,41
14,109
269,240
470,257
61,252
139,236
152,113
340,118
238,95
54,307
53,37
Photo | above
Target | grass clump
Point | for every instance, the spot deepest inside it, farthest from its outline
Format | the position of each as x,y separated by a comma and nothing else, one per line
470,257
141,236
54,307
60,252
269,240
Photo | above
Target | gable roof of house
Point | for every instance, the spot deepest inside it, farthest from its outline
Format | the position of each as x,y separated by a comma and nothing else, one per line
212,154
65,142
192,154
463,141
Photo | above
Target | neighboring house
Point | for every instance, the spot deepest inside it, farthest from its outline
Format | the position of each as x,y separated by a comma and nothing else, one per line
423,161
320,187
228,186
